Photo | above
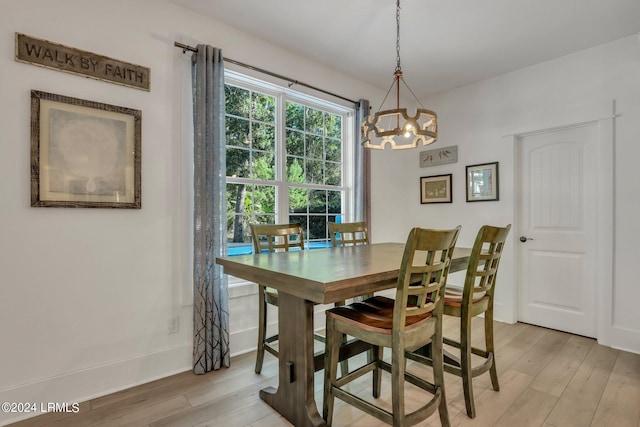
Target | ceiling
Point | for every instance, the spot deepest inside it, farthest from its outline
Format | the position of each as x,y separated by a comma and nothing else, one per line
444,43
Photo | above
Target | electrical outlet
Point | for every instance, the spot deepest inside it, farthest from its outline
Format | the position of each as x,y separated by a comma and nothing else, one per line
174,325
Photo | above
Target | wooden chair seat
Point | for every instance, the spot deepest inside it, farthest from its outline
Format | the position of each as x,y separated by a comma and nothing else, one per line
453,296
375,316
271,295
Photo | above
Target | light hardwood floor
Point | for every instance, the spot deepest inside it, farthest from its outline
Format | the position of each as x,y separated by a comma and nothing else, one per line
547,378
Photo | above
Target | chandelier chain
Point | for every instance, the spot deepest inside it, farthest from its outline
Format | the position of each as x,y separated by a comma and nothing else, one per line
398,68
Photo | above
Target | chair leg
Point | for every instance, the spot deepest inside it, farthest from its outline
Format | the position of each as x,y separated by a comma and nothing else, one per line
332,354
437,357
465,359
344,365
398,365
262,328
376,354
488,337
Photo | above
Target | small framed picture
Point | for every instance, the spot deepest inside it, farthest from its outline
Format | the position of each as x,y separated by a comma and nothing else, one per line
84,154
483,182
435,189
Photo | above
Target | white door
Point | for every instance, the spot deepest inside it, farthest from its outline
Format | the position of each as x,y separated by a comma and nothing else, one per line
557,229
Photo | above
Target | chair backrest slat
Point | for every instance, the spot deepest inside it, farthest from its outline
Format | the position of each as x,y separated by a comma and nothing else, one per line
428,254
276,237
484,261
348,233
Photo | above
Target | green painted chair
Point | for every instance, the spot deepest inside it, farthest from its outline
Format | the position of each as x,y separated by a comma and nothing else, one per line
270,238
406,323
475,298
348,233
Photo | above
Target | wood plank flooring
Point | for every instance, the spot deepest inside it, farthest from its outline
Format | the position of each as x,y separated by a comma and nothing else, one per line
547,378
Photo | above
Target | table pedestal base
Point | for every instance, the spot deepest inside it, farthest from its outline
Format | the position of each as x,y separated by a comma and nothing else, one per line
294,399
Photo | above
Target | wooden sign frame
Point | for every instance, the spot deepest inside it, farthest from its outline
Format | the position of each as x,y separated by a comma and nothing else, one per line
55,56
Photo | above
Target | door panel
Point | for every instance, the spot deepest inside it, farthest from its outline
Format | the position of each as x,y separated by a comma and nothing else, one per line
556,286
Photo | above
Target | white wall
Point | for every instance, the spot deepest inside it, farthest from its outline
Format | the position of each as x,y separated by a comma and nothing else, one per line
477,118
86,294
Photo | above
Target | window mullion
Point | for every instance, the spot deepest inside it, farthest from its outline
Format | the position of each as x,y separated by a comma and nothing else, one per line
282,189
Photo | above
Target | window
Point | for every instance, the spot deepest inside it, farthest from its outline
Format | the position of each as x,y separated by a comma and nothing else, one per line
287,161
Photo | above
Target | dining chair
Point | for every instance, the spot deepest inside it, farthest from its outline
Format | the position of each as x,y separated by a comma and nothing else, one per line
410,321
475,297
348,233
268,238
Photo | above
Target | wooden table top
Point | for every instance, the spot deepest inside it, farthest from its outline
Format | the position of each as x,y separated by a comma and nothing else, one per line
328,275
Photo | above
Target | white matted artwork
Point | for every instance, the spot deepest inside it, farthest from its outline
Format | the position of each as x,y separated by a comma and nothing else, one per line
84,153
483,182
435,189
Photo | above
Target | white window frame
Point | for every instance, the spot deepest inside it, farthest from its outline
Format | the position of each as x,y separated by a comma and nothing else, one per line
282,95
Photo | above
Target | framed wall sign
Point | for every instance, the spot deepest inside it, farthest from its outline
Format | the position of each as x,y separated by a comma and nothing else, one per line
84,154
439,156
435,189
482,182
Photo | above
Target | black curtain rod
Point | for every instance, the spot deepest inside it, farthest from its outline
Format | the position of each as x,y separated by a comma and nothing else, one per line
292,82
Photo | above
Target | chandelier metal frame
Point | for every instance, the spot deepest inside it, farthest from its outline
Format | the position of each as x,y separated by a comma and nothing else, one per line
379,130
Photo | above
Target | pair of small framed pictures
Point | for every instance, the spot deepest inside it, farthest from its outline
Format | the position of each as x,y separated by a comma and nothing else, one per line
482,185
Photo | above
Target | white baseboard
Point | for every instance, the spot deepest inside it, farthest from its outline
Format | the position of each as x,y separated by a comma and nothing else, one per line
87,384
624,339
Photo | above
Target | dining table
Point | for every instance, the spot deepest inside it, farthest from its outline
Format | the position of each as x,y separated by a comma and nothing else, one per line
306,278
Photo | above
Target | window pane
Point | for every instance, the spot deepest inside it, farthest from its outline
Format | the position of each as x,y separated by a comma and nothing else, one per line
238,231
317,227
264,219
333,125
334,202
264,199
263,165
317,201
301,219
314,147
237,162
248,204
295,143
295,170
333,150
315,172
298,200
263,137
264,108
295,116
314,122
237,131
237,101
333,173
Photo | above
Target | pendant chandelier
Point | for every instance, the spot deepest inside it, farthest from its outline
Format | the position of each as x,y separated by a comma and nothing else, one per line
394,126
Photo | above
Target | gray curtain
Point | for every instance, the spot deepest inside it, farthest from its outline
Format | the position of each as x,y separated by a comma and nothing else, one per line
210,293
362,171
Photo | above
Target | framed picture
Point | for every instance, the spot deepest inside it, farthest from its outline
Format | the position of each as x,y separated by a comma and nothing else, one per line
482,182
84,154
435,189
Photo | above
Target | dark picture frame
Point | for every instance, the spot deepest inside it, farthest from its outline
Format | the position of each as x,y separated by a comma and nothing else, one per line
435,189
84,154
483,182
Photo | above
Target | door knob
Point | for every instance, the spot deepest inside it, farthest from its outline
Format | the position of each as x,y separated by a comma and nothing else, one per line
525,238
